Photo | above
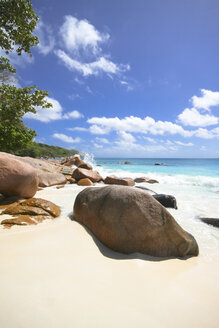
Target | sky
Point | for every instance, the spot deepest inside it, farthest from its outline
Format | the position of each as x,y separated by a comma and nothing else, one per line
127,78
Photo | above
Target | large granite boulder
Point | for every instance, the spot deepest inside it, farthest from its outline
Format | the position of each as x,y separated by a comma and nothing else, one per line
47,179
80,173
17,178
112,179
129,220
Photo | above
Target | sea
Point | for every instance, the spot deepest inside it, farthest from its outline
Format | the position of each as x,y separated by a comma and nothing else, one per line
193,182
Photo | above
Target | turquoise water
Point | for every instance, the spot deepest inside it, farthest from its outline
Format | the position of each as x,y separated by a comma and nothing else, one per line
191,167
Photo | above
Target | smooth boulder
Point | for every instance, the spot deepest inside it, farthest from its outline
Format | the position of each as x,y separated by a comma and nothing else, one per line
79,174
129,220
17,178
47,179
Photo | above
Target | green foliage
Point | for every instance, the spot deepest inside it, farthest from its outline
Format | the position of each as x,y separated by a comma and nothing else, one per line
14,103
43,150
17,22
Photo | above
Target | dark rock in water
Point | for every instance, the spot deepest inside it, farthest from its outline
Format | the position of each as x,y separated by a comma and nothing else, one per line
157,164
127,162
212,221
129,220
166,200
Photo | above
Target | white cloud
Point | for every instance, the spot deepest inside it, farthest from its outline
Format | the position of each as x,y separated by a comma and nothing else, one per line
81,35
97,145
78,128
66,138
189,144
126,137
207,100
102,64
46,38
95,129
204,133
203,148
169,143
102,140
52,114
150,139
83,51
191,117
103,125
74,114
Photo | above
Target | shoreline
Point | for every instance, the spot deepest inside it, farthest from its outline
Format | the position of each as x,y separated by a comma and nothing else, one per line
55,274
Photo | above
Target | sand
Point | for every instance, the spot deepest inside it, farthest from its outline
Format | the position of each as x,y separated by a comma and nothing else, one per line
56,274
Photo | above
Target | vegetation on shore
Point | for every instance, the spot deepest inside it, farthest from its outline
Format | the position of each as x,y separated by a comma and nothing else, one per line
37,150
17,23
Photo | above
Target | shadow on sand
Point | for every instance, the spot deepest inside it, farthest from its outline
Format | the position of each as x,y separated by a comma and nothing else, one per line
120,256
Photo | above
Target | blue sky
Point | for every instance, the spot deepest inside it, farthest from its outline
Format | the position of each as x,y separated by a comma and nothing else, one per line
127,78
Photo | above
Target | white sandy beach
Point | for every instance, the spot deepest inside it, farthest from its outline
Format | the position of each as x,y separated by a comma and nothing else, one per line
56,275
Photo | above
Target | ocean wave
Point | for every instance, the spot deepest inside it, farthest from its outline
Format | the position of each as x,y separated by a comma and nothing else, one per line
176,179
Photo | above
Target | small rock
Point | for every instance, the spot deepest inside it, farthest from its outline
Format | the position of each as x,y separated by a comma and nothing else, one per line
127,162
152,181
84,173
85,182
112,179
59,187
71,180
141,179
85,166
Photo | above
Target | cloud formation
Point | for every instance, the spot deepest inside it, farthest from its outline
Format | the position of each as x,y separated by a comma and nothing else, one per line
102,64
192,117
80,35
83,49
65,138
208,99
46,38
52,114
103,125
